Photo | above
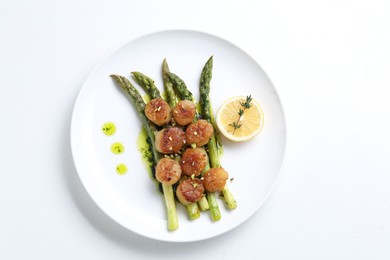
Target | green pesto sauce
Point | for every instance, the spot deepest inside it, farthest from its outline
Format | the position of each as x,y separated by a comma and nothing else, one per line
121,169
109,128
143,148
117,148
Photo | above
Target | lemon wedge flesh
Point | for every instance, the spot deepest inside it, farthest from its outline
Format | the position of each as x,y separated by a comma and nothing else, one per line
251,121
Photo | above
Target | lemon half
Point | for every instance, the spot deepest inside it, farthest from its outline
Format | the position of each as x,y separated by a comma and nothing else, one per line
251,121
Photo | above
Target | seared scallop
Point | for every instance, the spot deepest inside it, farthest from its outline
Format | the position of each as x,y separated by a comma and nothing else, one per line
170,140
194,161
158,111
189,191
215,179
184,112
199,133
168,171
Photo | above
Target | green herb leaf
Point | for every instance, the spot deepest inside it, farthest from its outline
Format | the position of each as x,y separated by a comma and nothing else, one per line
245,105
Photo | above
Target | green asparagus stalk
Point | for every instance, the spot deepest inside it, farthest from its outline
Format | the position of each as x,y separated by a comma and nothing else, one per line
192,209
180,87
214,208
171,96
203,203
207,114
139,103
170,204
147,84
150,128
213,204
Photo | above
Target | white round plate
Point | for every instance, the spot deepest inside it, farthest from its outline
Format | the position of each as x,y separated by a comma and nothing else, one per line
132,199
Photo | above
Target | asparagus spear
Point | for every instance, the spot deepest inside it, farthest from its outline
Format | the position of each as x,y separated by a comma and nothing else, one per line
147,84
208,115
180,87
139,103
192,209
171,96
150,128
203,203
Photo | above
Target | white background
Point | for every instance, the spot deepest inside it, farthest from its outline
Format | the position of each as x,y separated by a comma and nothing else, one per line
330,63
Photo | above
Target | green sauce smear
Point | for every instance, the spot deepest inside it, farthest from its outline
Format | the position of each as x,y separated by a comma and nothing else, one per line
109,128
143,148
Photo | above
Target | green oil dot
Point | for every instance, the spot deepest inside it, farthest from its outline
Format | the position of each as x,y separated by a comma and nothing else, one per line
117,148
121,169
109,128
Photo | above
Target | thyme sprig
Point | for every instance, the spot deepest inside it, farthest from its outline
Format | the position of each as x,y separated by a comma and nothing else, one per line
245,105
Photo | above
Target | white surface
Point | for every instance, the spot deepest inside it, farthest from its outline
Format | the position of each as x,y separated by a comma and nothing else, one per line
132,200
329,61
